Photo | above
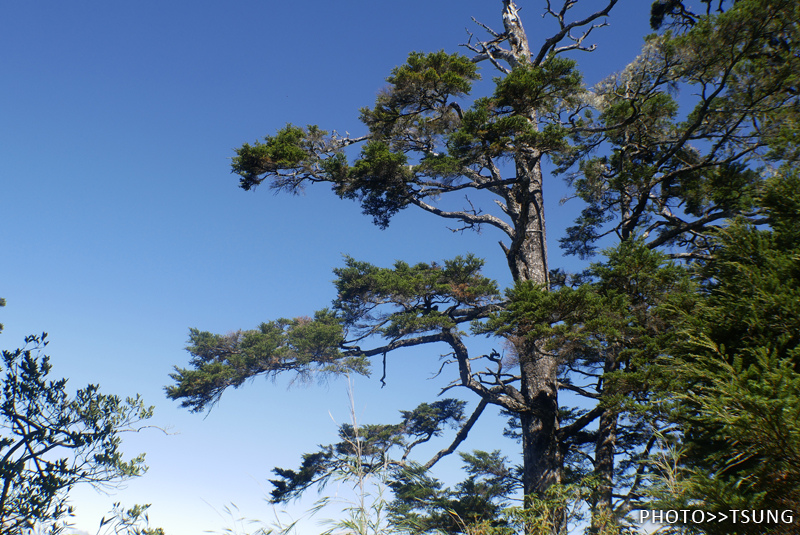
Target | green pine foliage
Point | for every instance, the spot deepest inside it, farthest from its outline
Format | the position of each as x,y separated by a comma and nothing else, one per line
378,179
737,379
284,151
424,297
423,505
501,126
374,448
419,98
396,304
306,346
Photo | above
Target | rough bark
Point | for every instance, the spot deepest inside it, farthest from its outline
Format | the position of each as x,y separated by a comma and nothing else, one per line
604,466
527,260
541,449
527,254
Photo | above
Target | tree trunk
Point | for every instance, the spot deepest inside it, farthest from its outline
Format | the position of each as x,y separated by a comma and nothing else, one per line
605,446
527,255
527,259
604,468
541,450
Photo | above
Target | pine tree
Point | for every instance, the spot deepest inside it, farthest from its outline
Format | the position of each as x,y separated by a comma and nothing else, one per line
422,145
651,179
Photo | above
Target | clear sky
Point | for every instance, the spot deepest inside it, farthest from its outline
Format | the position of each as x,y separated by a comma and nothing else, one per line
122,226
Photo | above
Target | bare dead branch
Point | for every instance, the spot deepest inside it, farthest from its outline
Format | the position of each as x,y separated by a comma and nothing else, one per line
470,219
551,44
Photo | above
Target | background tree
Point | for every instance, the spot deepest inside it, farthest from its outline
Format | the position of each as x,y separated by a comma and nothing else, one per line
735,378
51,441
648,176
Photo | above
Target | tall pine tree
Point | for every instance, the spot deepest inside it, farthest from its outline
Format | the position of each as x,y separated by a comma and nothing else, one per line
651,179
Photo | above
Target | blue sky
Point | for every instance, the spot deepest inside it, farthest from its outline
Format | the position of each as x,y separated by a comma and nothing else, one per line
122,226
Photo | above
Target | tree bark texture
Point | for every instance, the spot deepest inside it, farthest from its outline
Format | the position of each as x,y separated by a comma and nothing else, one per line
527,254
527,260
541,449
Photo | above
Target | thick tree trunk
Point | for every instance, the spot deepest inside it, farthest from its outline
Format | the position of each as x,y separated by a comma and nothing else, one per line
527,255
605,446
604,468
527,259
541,450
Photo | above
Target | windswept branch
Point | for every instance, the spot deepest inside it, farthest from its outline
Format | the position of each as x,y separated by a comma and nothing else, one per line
460,436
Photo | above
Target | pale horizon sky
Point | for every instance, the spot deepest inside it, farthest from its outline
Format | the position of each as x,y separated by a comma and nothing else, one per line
123,227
